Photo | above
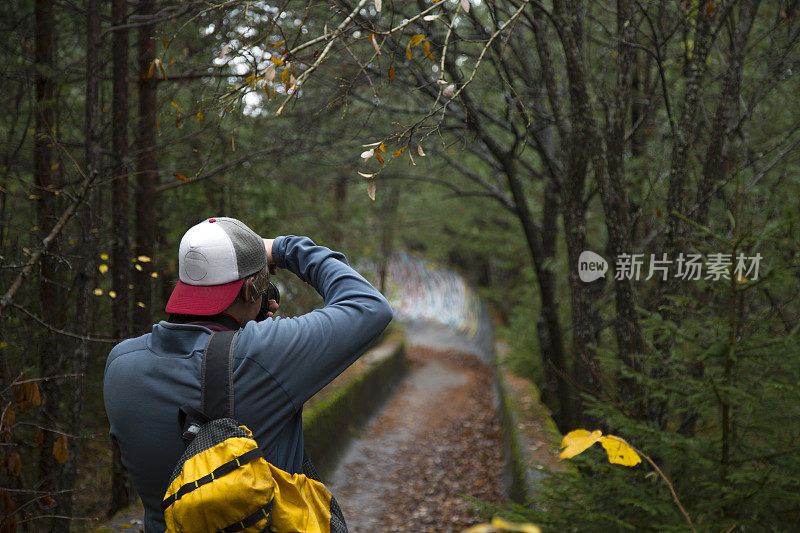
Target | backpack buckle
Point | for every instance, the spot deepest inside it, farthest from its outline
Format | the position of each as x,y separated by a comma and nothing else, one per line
190,433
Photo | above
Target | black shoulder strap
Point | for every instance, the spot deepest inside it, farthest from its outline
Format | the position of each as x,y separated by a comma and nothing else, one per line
217,378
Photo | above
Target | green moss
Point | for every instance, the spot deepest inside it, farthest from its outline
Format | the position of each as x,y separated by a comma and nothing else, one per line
329,424
514,468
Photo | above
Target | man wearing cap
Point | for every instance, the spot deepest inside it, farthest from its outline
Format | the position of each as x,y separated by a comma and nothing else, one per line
279,363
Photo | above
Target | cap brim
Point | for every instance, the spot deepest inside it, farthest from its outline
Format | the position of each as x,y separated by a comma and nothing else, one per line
202,300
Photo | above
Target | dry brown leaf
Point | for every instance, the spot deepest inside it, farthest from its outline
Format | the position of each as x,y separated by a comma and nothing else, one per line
8,416
14,464
371,190
60,450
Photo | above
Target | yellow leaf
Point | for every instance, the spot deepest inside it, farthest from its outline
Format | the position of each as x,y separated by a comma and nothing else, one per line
619,451
98,292
391,74
200,117
276,45
382,147
161,66
103,268
173,104
398,151
151,70
379,157
278,61
408,53
140,304
505,525
415,40
251,79
143,259
3,344
180,176
104,257
577,441
233,144
54,166
112,294
138,267
153,274
60,449
371,190
285,75
480,528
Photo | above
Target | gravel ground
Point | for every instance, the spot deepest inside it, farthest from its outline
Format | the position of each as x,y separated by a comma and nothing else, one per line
436,441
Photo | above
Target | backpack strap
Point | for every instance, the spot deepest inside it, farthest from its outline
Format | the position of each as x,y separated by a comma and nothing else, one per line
217,377
216,384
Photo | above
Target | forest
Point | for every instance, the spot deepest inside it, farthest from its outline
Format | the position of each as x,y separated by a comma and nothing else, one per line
620,180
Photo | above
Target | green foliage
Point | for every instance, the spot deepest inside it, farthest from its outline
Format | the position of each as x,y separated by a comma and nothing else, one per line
730,366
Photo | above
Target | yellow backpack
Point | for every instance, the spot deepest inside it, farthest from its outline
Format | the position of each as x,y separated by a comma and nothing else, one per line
222,482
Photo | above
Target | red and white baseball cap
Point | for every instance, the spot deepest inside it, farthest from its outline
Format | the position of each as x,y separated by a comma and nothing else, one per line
214,258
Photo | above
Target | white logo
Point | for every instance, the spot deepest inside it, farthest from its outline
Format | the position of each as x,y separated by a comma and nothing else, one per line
591,266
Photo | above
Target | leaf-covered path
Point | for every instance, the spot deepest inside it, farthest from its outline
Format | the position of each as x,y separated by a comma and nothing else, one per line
435,441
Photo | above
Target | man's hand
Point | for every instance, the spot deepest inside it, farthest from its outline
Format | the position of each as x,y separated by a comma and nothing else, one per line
273,308
272,268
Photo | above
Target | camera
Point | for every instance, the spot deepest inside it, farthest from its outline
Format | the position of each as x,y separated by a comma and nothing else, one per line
271,294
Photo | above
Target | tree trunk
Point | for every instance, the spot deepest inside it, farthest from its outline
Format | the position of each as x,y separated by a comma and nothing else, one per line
146,176
52,297
685,130
121,253
84,304
556,358
581,144
717,155
630,340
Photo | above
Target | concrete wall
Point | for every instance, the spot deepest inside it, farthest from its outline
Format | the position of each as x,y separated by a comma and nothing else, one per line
330,422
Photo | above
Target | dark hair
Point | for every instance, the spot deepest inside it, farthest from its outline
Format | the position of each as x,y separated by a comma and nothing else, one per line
254,285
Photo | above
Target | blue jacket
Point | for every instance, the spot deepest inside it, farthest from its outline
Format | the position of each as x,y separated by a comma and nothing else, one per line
278,364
